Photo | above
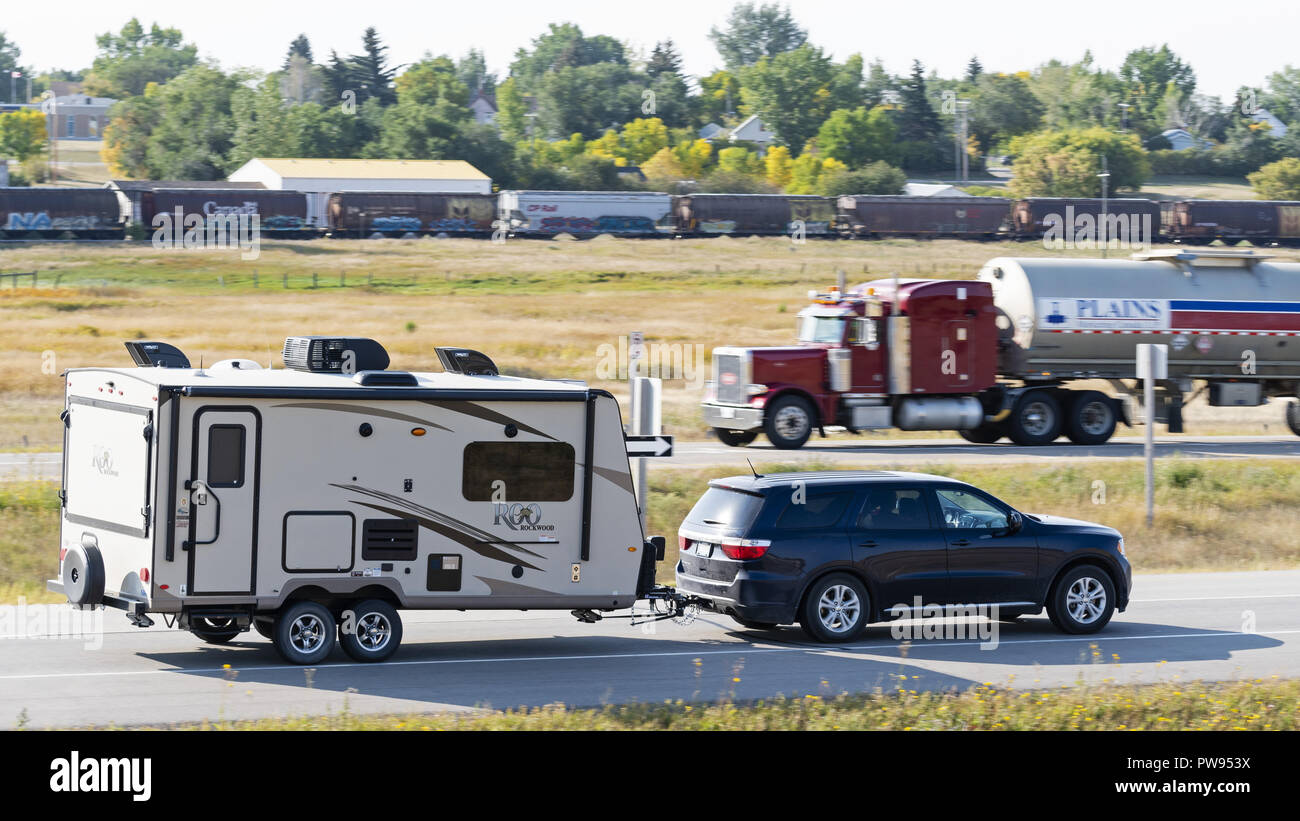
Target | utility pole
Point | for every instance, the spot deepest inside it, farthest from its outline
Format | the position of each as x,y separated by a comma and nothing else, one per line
1101,226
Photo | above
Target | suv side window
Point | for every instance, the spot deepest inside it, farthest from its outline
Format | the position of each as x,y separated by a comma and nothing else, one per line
894,508
817,511
962,509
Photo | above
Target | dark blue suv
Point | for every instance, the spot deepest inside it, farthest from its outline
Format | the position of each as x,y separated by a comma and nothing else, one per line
835,551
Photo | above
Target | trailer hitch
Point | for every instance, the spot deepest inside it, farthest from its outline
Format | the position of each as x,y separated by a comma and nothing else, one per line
665,603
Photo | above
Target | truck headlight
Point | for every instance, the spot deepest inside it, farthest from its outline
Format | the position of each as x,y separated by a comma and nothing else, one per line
756,390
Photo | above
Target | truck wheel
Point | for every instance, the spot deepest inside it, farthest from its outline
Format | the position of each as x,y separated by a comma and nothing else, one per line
983,435
1293,417
372,632
835,609
1035,419
215,631
788,422
1082,601
304,633
1092,419
735,438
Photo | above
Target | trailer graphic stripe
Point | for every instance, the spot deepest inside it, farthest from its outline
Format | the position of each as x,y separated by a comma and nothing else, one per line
365,410
480,412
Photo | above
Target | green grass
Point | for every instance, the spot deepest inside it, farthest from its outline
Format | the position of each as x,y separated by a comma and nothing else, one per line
29,540
1261,704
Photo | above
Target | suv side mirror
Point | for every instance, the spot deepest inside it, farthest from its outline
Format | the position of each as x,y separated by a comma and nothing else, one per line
1014,522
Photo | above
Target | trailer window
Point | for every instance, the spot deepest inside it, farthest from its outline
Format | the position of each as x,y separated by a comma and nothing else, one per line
226,456
518,472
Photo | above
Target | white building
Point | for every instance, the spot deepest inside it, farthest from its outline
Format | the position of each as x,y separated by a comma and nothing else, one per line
321,177
1277,128
932,189
752,130
483,109
1182,140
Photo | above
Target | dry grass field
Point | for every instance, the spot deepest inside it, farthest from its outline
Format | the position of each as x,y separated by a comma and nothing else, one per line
540,308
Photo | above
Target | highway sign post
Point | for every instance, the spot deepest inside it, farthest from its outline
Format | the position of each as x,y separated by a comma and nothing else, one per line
1152,364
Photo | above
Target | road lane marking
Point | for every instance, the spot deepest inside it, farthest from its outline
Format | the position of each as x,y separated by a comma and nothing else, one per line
1223,598
746,649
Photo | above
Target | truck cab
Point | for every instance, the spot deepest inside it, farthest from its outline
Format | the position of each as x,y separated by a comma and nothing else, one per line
892,353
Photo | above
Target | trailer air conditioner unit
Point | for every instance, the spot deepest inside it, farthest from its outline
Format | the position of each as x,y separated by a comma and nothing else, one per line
333,354
157,355
467,362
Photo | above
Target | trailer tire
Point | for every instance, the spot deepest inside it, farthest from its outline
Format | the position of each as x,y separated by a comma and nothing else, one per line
735,438
1293,417
215,631
304,633
83,575
265,627
985,434
789,421
1035,419
374,632
1091,419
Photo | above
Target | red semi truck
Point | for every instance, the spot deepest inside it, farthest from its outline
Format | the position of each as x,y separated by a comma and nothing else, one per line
1005,355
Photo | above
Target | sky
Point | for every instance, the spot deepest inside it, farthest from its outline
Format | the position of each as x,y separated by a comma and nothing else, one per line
1228,45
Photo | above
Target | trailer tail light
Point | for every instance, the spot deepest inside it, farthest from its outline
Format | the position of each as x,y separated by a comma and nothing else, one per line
144,574
63,552
745,548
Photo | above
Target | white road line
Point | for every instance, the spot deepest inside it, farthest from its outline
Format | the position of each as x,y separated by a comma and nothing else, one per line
1223,598
745,650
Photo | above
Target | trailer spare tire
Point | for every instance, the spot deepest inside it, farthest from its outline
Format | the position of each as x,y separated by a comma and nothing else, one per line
83,575
1091,419
735,438
1035,419
789,421
215,630
1293,417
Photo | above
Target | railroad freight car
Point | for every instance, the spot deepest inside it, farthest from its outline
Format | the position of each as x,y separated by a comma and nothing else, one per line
280,213
1208,220
55,213
866,216
752,214
415,213
586,213
1134,221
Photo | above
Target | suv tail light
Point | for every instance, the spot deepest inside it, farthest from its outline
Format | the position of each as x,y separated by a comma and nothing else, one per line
745,548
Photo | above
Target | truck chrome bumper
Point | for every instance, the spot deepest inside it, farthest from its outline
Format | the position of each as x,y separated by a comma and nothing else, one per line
732,417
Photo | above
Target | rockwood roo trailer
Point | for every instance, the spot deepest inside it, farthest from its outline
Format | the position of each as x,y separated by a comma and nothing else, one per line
323,497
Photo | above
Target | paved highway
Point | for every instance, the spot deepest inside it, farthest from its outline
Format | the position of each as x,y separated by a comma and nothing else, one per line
866,452
1215,626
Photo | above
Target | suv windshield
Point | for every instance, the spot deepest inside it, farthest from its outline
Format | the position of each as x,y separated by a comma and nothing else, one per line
730,509
821,329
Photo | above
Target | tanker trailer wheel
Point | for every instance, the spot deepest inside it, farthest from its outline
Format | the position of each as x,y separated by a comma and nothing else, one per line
985,434
1293,417
1091,419
215,630
789,422
735,438
1035,419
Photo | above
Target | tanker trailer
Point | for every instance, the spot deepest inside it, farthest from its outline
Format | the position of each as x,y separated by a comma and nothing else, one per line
1231,320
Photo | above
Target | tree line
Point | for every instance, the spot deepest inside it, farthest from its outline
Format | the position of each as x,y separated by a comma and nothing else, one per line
582,111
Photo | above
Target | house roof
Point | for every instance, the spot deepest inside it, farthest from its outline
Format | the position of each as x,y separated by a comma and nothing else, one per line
152,185
931,189
371,169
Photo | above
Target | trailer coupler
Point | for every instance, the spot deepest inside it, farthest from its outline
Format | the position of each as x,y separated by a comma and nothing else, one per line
665,603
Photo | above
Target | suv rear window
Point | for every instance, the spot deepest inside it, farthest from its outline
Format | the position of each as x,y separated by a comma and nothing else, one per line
822,510
731,509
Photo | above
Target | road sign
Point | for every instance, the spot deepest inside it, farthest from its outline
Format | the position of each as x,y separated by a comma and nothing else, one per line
641,446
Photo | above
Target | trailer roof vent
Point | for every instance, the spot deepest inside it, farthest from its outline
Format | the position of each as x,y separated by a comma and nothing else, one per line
385,379
466,362
334,354
156,355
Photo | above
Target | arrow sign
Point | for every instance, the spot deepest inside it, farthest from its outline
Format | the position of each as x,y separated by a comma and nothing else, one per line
640,446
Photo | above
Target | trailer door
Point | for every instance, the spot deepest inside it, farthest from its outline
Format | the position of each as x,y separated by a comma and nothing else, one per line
223,489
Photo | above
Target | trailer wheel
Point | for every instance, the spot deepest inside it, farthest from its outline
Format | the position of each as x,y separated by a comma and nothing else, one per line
215,631
265,627
372,631
304,633
1092,419
1035,419
985,434
735,438
1293,417
788,422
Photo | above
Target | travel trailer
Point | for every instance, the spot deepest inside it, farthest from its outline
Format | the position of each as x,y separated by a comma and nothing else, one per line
321,498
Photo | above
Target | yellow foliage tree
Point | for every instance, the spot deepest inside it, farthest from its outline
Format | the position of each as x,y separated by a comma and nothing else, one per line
777,164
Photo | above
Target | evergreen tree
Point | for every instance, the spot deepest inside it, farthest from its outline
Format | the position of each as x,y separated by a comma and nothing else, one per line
300,47
664,60
371,72
918,121
974,69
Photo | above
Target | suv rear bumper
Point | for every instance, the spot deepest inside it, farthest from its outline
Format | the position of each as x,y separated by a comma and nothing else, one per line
737,598
732,417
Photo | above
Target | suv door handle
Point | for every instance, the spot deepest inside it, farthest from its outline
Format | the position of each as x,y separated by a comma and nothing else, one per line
959,543
867,543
